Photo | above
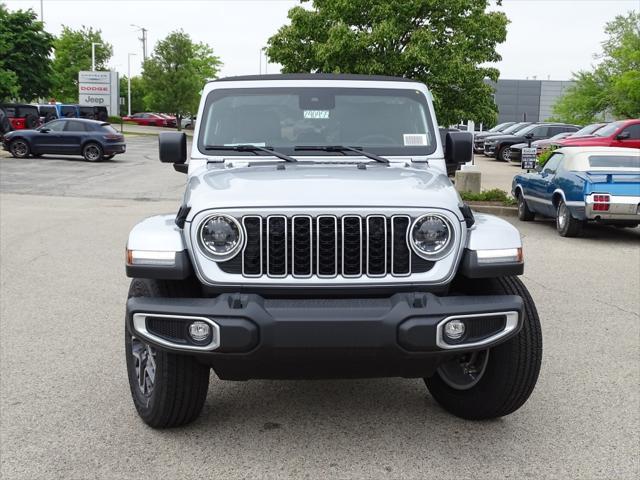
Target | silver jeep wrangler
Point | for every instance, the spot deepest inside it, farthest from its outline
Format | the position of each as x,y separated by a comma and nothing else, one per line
320,237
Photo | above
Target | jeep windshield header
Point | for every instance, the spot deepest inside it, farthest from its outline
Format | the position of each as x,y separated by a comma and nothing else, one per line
377,120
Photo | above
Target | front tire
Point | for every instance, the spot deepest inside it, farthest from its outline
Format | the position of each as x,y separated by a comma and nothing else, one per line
504,154
19,148
566,225
168,390
502,378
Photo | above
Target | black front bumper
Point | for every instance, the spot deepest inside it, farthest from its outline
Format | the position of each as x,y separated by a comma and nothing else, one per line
335,338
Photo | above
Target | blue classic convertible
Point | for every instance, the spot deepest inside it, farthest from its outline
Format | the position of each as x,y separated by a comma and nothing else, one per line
580,184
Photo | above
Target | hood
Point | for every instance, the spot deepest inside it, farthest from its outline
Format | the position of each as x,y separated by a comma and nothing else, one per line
313,185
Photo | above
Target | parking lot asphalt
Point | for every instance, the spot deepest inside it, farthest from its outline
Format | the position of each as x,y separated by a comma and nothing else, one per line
66,410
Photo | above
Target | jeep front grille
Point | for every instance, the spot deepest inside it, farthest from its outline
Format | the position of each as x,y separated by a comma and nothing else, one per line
326,246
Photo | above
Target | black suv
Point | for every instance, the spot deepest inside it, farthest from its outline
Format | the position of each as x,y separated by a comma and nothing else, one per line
498,146
478,137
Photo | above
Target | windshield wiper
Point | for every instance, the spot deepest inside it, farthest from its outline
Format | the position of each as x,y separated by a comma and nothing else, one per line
251,148
341,148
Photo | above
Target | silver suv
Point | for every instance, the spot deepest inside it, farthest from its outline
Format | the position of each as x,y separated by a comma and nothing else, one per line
320,237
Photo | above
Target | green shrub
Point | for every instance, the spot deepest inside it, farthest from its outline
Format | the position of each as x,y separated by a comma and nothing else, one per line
545,155
493,195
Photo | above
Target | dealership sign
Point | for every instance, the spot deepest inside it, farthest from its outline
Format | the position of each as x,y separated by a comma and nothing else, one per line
99,89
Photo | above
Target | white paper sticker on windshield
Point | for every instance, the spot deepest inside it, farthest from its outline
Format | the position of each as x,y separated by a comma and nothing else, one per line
413,139
316,114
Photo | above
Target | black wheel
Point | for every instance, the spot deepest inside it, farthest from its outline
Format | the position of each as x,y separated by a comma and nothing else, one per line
494,382
19,148
92,152
504,154
168,390
524,213
566,225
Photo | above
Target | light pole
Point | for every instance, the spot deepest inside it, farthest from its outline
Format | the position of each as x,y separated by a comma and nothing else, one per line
41,11
143,39
93,55
129,83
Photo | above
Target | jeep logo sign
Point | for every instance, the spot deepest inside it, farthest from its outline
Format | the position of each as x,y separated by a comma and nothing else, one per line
99,89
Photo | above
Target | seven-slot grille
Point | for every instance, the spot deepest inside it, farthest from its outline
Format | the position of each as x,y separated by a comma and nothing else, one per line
327,246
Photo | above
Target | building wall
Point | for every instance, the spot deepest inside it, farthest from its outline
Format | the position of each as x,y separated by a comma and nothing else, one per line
530,100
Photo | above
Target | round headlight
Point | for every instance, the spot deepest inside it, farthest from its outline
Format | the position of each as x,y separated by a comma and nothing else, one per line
221,236
430,236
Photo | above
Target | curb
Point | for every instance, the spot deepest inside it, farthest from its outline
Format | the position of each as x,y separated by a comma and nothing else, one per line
495,210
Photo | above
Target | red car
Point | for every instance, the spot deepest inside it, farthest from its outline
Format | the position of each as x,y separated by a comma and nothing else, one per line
171,120
148,119
624,133
22,116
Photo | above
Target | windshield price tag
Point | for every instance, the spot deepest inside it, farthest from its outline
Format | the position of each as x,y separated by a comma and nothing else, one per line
316,114
529,158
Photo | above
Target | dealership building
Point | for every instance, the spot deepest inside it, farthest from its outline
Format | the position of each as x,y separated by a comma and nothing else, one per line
527,100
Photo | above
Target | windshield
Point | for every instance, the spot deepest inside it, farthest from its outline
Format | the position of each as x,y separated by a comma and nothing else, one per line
383,121
527,129
588,130
500,127
608,130
514,128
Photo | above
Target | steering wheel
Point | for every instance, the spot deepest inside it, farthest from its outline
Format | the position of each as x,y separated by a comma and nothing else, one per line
369,139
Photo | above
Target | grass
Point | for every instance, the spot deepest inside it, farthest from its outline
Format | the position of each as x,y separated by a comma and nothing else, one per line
493,195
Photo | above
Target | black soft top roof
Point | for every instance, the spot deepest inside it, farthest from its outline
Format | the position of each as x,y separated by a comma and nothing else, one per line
315,76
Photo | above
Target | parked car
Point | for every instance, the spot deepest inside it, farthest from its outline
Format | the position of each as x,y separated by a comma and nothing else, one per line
92,139
588,130
5,124
294,256
21,116
581,184
478,137
147,119
515,151
188,123
171,120
94,113
498,146
624,133
47,113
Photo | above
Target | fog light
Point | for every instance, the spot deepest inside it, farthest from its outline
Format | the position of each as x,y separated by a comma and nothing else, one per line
454,329
199,331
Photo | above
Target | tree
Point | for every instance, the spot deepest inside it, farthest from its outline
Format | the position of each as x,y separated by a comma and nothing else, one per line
613,86
138,93
72,55
175,74
25,65
443,44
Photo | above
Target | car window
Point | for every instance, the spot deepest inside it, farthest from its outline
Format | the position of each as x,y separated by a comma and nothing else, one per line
55,126
553,163
68,111
608,130
540,131
614,161
73,126
634,131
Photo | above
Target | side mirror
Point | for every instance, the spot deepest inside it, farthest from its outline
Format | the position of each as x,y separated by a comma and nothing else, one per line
173,147
623,136
538,168
529,136
45,130
458,148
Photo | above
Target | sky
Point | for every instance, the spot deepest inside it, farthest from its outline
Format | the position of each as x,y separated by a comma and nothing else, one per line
547,39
